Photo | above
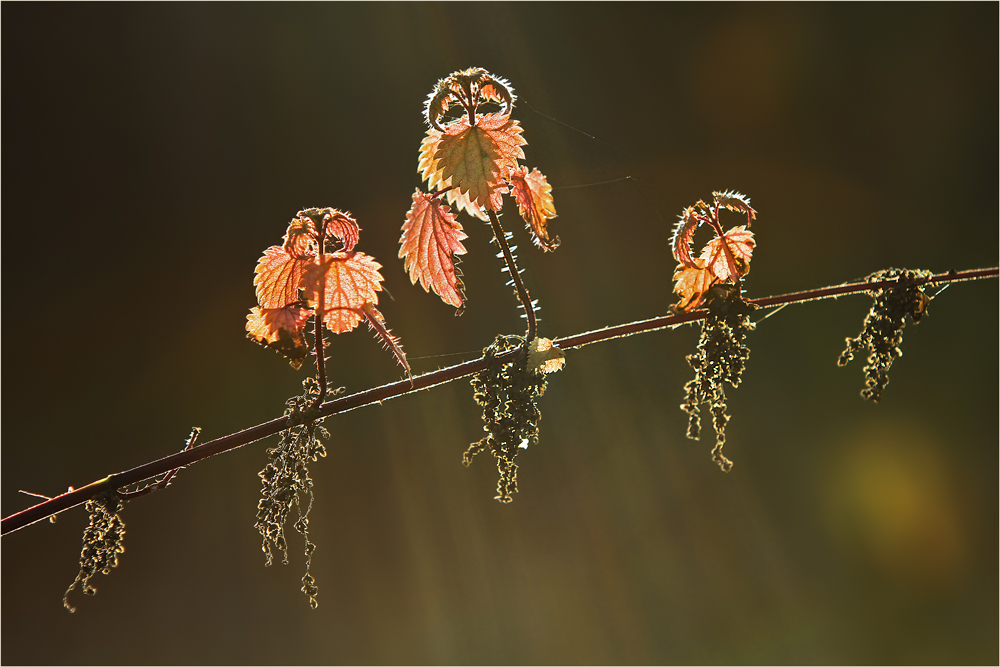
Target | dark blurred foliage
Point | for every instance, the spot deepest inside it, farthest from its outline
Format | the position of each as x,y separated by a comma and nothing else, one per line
152,151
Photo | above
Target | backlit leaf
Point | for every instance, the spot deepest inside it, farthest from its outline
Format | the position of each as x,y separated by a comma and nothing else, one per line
478,159
280,329
544,357
534,201
343,228
430,171
278,277
301,238
468,88
339,285
691,284
427,164
734,201
430,240
728,266
680,244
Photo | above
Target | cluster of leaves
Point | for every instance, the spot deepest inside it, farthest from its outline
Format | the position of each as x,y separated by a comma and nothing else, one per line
713,279
300,282
508,394
721,358
469,162
286,482
725,259
103,542
882,333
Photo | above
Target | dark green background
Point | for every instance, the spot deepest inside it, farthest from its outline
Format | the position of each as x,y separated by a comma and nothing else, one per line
150,154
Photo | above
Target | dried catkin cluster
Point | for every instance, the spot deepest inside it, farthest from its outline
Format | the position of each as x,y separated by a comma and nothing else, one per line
883,327
286,481
103,542
508,394
721,357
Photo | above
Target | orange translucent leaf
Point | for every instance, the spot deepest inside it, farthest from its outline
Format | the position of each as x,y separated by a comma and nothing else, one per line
343,227
301,238
728,257
431,238
460,200
430,171
278,277
691,284
469,88
478,159
498,90
680,244
534,200
734,201
339,285
280,329
427,164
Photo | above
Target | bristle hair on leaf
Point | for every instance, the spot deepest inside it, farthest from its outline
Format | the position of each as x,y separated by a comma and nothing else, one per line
736,202
688,222
469,88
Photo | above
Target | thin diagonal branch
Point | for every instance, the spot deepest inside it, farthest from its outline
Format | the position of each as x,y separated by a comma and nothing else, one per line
119,480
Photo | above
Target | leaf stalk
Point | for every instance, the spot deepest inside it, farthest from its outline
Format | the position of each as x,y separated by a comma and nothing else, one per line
515,276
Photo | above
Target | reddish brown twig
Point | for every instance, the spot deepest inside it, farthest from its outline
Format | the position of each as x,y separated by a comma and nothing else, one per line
162,466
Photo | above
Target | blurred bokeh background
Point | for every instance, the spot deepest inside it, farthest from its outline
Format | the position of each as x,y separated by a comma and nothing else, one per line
152,151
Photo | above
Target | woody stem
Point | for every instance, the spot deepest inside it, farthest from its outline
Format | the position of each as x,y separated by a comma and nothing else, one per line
522,293
377,395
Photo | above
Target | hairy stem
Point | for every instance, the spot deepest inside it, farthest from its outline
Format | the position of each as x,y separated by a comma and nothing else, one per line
318,331
515,276
119,480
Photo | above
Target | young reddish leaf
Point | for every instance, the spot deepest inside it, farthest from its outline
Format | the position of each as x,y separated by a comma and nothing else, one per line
460,200
428,165
534,200
734,201
281,330
431,239
690,219
430,171
301,238
728,266
346,281
376,321
343,227
278,277
498,90
469,88
691,284
478,159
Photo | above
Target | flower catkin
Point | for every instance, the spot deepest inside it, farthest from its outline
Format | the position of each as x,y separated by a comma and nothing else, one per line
103,543
721,358
286,482
508,394
882,332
